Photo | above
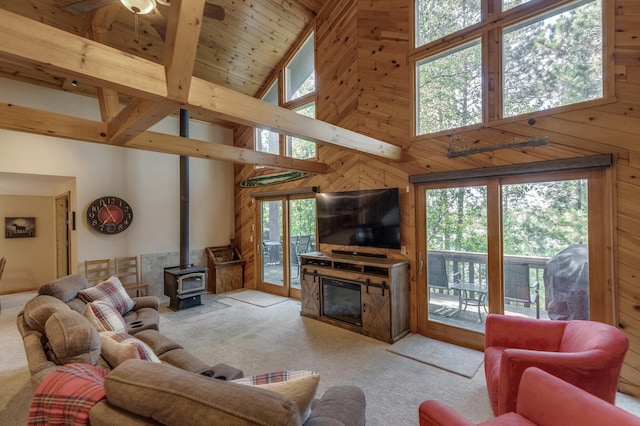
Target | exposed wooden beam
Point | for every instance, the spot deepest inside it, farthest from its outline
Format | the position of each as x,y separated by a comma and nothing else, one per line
243,109
47,49
160,142
137,117
29,120
42,47
101,21
181,45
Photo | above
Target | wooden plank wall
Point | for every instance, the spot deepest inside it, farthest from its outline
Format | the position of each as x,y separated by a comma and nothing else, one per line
380,77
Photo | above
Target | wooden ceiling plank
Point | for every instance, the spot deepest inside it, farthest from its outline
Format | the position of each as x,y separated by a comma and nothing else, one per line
181,44
243,109
56,51
160,142
29,120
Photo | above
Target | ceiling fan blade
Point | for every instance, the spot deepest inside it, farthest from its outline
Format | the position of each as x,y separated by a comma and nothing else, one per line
158,22
85,6
213,11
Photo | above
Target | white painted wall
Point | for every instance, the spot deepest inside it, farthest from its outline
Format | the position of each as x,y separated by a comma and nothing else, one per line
148,181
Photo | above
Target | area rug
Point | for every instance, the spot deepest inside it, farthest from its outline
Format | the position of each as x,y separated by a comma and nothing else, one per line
254,297
454,359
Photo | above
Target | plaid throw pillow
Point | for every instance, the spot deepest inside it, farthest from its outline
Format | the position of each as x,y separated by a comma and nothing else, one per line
104,317
119,347
110,291
299,386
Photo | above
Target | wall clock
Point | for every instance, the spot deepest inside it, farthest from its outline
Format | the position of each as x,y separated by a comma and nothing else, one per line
109,215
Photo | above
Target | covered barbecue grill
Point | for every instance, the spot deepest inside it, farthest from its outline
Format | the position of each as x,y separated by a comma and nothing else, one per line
566,280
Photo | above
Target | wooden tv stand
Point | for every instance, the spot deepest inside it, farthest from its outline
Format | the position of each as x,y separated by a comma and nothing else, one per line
383,286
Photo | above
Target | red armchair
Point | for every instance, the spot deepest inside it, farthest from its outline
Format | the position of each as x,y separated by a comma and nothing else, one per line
542,400
587,354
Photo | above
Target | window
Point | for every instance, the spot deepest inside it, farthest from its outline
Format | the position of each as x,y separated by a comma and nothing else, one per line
553,60
450,89
300,72
438,18
544,58
266,140
300,148
293,89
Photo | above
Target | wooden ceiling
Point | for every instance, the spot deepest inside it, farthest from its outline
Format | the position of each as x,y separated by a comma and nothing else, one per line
239,52
213,68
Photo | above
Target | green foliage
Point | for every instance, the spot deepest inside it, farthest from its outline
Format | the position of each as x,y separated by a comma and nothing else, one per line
553,62
539,219
438,18
302,215
450,89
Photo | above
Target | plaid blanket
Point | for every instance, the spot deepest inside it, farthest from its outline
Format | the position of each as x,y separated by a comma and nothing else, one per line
66,395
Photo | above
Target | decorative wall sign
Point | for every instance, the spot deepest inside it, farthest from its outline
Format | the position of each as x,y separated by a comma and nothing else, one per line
109,215
272,179
19,227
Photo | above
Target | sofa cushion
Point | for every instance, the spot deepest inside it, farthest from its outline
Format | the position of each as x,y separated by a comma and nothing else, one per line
104,317
119,347
170,395
111,291
65,288
39,309
299,386
71,338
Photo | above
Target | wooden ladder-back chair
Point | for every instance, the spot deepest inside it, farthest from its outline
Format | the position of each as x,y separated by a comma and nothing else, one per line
97,270
128,273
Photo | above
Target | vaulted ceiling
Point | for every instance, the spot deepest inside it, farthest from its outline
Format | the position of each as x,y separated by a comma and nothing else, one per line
208,58
239,51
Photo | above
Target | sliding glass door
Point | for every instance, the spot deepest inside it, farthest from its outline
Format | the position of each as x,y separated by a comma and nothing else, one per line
519,246
287,229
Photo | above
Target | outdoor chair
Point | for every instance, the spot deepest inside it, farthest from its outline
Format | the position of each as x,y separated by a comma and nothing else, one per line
437,277
295,260
303,244
587,354
517,286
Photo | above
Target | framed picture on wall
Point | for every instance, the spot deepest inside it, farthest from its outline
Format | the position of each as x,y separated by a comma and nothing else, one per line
19,227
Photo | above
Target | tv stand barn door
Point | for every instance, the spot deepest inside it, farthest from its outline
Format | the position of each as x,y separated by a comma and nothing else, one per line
383,286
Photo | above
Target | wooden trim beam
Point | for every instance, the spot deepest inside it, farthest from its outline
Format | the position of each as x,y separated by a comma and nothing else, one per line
137,117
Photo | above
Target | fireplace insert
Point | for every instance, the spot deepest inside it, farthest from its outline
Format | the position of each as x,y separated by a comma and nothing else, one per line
341,300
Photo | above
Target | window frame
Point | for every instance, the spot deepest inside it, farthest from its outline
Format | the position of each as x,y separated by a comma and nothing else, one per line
279,78
489,29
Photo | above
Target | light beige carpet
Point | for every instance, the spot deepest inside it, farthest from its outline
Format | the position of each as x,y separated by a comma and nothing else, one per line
454,359
254,297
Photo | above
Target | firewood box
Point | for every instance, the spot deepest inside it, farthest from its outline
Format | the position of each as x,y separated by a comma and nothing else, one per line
226,269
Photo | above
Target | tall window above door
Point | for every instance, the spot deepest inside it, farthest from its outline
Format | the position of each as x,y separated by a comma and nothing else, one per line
478,61
293,88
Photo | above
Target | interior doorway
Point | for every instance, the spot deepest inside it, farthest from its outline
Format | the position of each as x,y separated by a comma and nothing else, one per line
63,237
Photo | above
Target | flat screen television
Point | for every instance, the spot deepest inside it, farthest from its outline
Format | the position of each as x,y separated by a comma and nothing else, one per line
367,218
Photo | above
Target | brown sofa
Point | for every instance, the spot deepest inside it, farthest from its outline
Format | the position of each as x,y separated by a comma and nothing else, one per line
181,389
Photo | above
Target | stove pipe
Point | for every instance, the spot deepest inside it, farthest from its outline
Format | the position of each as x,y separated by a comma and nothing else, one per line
184,194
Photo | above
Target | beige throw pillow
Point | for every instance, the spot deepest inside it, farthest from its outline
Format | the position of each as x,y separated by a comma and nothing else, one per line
299,386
